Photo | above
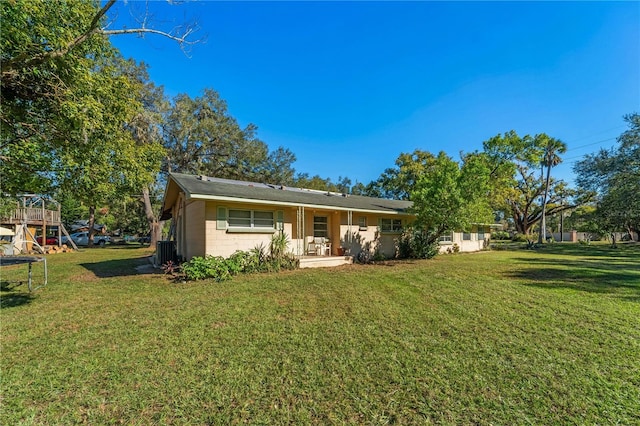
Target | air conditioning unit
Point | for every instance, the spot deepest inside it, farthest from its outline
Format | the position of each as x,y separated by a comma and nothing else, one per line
165,252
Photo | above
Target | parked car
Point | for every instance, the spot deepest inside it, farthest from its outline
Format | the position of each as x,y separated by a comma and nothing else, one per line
50,241
82,239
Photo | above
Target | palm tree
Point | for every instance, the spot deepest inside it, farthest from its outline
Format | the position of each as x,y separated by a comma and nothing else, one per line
551,148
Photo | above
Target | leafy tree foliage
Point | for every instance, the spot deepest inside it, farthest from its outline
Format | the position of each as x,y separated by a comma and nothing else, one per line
551,148
342,185
615,176
102,160
520,161
71,208
201,137
44,85
398,182
448,196
67,97
416,243
303,180
146,129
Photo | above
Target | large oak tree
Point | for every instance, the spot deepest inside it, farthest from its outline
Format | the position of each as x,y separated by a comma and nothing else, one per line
615,176
66,100
529,196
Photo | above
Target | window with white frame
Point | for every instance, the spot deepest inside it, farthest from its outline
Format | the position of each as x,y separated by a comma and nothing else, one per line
362,223
466,236
391,225
446,238
250,219
321,226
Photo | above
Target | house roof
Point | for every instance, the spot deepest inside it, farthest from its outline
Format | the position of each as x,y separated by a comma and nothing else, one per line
208,188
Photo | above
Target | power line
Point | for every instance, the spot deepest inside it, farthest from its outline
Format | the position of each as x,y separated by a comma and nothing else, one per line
591,144
598,133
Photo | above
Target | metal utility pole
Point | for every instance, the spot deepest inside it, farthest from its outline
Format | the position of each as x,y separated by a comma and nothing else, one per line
561,220
542,236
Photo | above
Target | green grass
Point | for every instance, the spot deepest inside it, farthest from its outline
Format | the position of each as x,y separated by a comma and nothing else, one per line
507,337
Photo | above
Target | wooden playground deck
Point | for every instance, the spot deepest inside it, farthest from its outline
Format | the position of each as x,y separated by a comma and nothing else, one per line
33,216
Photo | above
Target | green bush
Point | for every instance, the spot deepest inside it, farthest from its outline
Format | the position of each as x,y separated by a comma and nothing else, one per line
278,246
522,238
414,243
500,235
200,268
455,248
257,259
279,258
238,262
500,246
364,257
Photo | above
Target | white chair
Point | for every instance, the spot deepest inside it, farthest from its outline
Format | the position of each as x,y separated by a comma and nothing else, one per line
323,246
318,242
312,248
327,248
319,247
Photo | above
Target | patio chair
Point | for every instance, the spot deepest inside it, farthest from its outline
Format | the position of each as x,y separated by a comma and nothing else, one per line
312,248
323,247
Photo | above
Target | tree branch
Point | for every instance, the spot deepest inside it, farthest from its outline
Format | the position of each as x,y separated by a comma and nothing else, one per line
181,40
10,65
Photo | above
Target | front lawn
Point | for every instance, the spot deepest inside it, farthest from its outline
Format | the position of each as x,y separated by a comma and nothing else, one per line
506,337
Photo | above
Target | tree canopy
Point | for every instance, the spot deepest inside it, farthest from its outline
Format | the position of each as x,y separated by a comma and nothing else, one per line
614,175
77,118
48,86
200,136
521,161
448,196
68,102
398,182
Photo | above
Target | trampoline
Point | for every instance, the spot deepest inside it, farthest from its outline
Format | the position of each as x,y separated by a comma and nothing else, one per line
18,260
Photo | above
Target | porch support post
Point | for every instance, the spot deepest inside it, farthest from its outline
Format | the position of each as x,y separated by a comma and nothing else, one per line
301,245
349,223
44,224
298,233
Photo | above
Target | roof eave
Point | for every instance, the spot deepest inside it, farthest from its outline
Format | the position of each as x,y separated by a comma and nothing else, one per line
190,196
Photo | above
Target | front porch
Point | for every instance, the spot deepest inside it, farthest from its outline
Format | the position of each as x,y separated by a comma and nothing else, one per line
324,261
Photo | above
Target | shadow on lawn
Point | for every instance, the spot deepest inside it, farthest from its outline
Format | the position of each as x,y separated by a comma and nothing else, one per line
594,269
9,298
121,267
628,250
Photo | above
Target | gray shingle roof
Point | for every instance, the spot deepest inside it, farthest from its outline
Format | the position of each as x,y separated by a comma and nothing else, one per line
202,187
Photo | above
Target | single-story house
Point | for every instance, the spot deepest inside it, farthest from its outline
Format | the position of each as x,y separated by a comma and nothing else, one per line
83,226
217,217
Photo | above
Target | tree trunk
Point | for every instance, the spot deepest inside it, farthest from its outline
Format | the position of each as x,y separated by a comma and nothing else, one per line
92,221
155,226
542,236
523,226
521,218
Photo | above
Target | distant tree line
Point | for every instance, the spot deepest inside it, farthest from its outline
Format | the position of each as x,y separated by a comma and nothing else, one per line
87,126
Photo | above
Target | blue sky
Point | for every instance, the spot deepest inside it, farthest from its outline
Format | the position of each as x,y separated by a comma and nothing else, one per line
348,86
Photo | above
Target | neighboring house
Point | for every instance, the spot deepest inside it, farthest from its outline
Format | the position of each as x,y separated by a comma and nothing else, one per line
83,226
217,217
474,240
